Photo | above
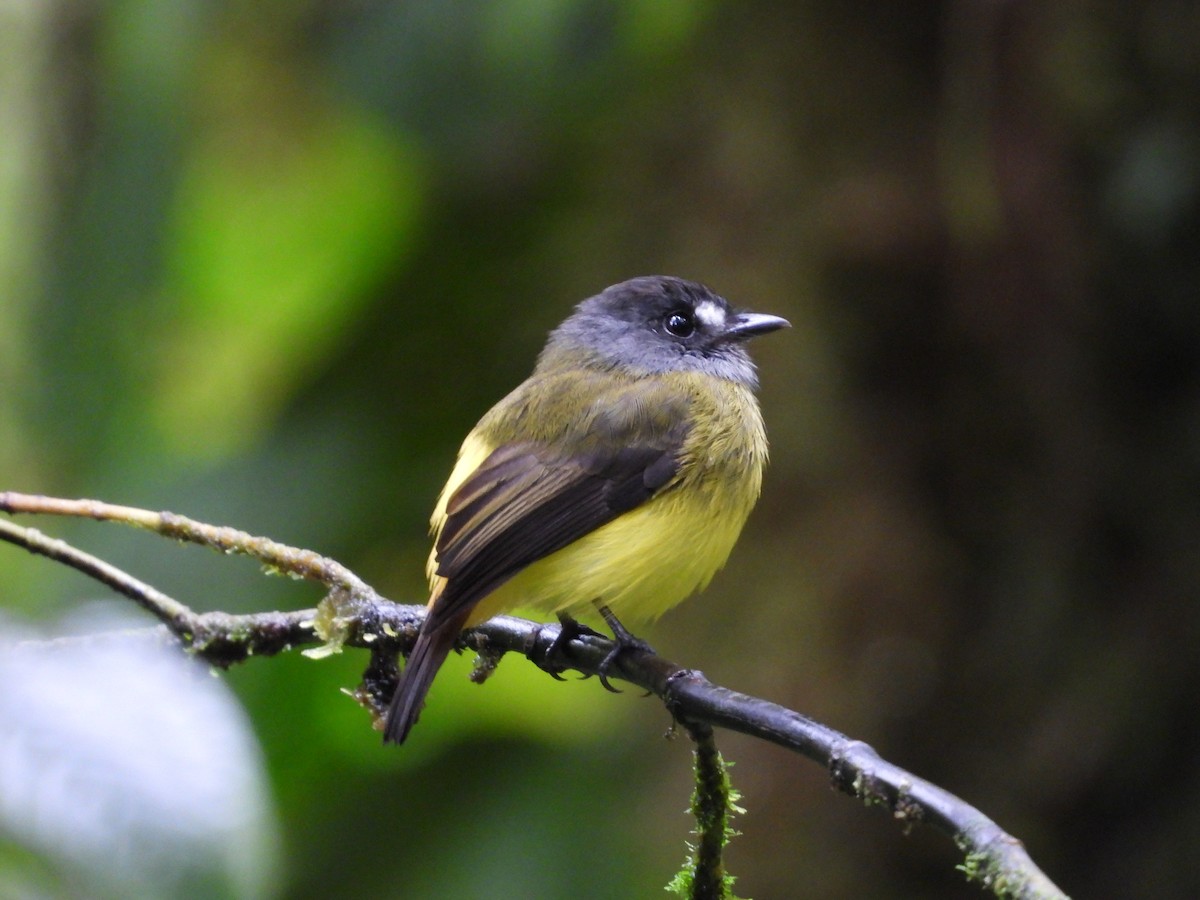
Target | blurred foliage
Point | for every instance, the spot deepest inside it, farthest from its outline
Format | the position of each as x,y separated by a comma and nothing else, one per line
265,264
125,770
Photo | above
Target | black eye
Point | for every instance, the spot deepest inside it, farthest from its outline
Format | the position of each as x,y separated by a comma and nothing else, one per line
680,323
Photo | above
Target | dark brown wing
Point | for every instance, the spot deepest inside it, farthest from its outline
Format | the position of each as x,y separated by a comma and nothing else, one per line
526,501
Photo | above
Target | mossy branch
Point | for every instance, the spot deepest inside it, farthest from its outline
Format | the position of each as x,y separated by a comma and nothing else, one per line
714,801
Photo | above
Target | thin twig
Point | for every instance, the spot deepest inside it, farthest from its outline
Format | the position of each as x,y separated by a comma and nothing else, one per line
173,613
220,638
287,560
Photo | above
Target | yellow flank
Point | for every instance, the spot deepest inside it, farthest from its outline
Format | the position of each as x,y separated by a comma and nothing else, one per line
471,455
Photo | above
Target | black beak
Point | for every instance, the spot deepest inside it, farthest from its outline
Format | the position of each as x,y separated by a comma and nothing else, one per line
747,325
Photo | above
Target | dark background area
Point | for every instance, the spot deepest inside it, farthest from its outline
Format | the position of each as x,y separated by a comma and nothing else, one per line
266,264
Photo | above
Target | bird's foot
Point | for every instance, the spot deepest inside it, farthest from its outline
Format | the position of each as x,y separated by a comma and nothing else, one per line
570,630
624,643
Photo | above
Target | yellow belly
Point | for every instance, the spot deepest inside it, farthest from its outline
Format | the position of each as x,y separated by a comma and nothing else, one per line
639,565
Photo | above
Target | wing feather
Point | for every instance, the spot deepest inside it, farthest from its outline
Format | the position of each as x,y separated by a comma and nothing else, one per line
526,501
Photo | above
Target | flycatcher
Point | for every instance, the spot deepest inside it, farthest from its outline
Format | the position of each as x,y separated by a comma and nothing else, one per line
617,476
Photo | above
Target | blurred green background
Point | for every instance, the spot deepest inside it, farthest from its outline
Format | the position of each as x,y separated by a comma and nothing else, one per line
264,264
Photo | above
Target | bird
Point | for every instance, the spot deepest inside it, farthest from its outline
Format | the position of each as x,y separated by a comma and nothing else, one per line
617,477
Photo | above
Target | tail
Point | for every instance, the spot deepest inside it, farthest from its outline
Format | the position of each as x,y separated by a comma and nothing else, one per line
426,658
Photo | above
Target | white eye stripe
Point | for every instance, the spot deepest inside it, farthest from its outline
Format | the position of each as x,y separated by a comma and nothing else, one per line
710,314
